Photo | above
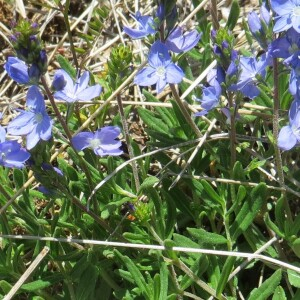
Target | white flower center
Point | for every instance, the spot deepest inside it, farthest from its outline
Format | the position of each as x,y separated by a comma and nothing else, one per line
161,71
95,143
296,11
296,131
3,156
38,117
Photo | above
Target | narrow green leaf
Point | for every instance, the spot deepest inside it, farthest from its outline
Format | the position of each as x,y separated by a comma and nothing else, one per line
233,15
225,274
163,281
249,210
165,113
136,274
18,178
87,282
152,121
212,194
66,65
267,288
205,237
148,183
42,283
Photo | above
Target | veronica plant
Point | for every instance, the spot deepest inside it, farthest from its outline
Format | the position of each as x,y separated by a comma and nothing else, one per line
161,69
71,91
34,123
103,142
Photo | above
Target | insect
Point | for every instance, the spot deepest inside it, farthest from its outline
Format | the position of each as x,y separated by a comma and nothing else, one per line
127,210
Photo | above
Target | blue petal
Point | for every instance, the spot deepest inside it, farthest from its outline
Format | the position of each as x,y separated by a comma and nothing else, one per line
108,134
22,124
89,93
159,55
135,33
2,134
160,84
35,100
45,128
286,138
17,70
61,95
146,77
282,23
32,138
174,74
282,7
82,140
82,82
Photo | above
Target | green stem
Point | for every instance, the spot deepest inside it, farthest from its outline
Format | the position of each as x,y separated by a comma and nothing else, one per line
128,141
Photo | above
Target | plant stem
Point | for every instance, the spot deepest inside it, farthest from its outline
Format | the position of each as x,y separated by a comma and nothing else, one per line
276,121
67,131
214,14
64,11
277,153
128,141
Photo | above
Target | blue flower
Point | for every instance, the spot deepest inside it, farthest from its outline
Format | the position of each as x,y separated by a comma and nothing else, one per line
259,26
2,134
103,141
179,42
287,47
160,71
17,70
146,26
210,99
78,91
34,123
249,70
288,14
289,136
12,155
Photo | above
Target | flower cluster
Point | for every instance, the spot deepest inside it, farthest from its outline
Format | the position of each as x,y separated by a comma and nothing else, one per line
287,47
33,122
161,69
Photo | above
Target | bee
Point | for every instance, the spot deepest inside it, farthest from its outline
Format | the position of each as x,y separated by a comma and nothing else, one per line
127,210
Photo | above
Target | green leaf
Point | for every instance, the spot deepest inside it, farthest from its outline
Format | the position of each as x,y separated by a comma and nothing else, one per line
148,183
249,210
5,286
87,282
267,288
136,274
294,277
152,121
279,294
66,65
233,15
225,274
165,113
163,281
42,283
205,237
18,178
212,194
